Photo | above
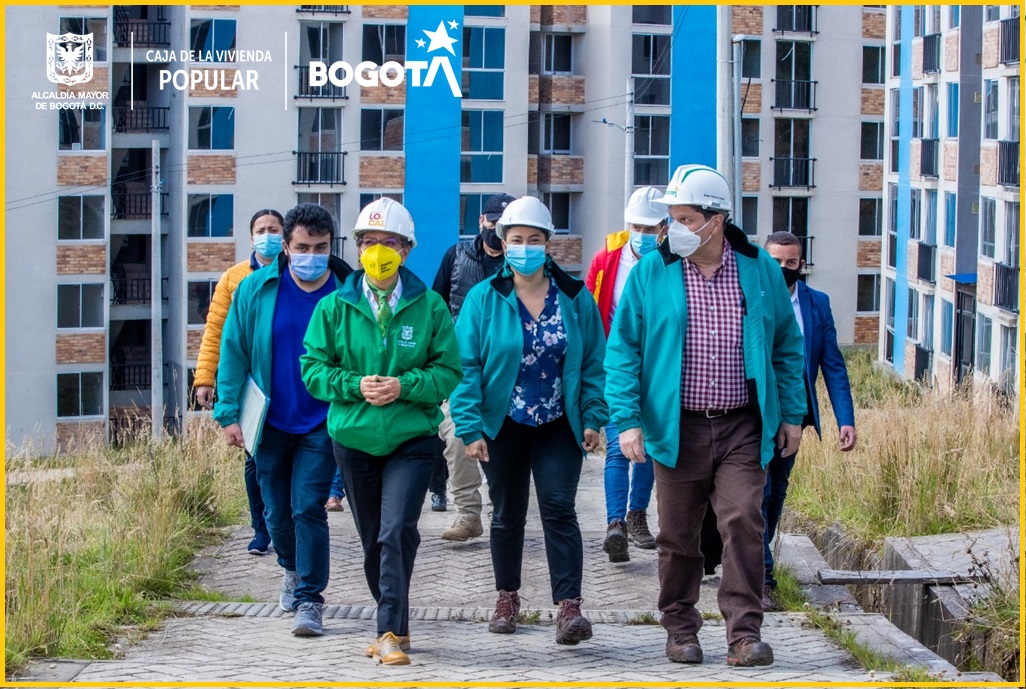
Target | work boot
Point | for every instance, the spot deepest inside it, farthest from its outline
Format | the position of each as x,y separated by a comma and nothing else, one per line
749,652
571,626
637,527
388,650
683,648
504,619
464,527
615,544
768,604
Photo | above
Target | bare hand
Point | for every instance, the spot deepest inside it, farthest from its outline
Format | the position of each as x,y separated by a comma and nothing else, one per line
591,440
233,434
478,450
380,390
205,396
632,445
789,437
848,438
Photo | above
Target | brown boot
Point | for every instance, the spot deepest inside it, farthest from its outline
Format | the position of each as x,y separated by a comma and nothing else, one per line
683,648
571,626
749,652
637,526
615,544
504,619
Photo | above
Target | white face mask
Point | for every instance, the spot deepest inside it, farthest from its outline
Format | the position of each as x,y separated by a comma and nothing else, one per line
683,241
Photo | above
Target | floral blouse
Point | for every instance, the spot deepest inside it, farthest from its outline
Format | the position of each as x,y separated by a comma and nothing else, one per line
538,393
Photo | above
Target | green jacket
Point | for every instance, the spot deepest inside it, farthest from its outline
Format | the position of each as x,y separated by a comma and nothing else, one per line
343,344
645,352
491,337
246,339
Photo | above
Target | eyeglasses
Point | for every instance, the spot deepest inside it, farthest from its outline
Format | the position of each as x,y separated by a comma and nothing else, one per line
389,242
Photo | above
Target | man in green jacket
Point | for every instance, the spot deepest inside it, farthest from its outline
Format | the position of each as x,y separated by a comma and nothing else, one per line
704,372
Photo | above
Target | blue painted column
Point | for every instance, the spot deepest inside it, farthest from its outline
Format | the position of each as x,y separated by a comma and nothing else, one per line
432,140
693,86
903,216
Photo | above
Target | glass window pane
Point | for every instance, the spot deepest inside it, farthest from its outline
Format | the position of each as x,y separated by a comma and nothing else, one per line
224,34
370,130
92,217
221,215
473,47
224,129
201,34
92,306
393,130
68,306
67,394
750,137
484,11
485,85
92,394
69,217
493,130
199,215
652,91
495,48
199,128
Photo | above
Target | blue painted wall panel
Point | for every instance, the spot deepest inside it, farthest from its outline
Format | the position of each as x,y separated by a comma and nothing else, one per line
693,86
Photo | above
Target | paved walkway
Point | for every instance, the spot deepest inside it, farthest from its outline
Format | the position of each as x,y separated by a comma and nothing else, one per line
452,595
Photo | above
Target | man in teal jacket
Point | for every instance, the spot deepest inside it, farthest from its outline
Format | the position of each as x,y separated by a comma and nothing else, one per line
704,372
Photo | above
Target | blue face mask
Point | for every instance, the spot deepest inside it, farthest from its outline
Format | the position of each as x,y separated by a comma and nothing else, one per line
309,267
267,245
525,259
643,243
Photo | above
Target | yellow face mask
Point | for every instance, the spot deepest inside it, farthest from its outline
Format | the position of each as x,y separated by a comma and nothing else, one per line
380,262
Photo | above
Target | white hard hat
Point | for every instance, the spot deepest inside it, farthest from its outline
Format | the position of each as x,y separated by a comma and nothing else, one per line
644,207
698,185
385,215
527,211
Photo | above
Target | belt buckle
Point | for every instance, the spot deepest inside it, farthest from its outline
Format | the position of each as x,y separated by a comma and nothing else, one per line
715,413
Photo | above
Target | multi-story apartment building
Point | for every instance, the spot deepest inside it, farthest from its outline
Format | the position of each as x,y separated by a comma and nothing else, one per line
138,201
951,267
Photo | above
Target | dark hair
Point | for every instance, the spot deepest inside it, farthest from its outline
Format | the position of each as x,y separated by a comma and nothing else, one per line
782,239
261,213
314,217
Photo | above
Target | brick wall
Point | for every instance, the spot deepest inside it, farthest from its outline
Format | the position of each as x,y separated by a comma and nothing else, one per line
951,52
869,253
915,160
386,172
99,82
385,12
947,267
564,14
81,348
991,43
917,58
910,359
912,260
751,95
872,100
536,14
226,81
950,164
72,435
532,89
566,250
867,329
871,176
942,379
211,169
988,163
209,257
560,170
561,89
82,259
385,95
193,338
874,24
532,170
985,282
746,19
751,175
82,170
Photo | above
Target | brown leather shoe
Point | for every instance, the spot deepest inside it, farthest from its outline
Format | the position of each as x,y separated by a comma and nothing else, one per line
683,648
768,604
571,626
615,544
388,651
637,527
334,504
372,648
749,652
504,619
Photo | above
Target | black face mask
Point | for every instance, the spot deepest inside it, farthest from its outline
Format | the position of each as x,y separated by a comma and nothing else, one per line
791,276
489,237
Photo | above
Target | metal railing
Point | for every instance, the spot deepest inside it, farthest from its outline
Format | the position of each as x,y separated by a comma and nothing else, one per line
797,18
130,377
338,246
929,157
792,94
140,119
1009,40
806,242
1006,287
329,90
926,267
135,205
924,358
1008,163
314,167
794,172
324,9
130,291
931,53
142,32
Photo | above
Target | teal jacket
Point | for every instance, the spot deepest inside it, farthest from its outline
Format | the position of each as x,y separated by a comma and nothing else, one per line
491,337
246,339
645,352
344,344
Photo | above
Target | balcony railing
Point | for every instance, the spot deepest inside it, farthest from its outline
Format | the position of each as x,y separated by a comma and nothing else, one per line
329,90
141,32
806,241
797,18
130,377
324,9
794,94
1006,287
314,167
927,262
1009,40
140,119
1008,163
892,250
135,205
929,157
794,172
922,364
931,53
338,246
130,291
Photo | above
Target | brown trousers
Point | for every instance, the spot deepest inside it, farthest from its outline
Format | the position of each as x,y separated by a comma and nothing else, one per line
718,463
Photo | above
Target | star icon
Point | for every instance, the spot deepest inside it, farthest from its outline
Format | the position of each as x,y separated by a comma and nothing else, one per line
420,42
440,39
453,25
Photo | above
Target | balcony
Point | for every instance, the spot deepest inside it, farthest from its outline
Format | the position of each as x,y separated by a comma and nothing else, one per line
924,358
324,9
130,202
140,119
1009,41
931,53
1008,163
929,156
315,167
142,33
794,172
130,377
796,18
926,268
329,90
794,95
1006,287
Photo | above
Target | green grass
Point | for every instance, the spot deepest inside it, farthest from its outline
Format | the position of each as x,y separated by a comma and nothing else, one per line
643,618
529,616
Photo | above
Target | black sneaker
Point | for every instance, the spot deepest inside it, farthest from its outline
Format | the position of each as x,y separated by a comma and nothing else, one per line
615,544
438,502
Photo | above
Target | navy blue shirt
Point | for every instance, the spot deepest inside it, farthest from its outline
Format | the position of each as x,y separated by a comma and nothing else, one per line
292,408
538,393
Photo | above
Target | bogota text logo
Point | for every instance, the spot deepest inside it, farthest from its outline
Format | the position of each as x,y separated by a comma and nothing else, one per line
69,58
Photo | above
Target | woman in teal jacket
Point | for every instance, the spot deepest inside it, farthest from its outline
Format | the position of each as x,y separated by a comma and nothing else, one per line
532,344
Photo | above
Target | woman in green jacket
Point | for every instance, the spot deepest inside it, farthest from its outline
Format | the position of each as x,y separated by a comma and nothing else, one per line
532,344
383,352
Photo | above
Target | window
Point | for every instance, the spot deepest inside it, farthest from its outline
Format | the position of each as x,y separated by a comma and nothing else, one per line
947,327
1011,243
950,218
892,196
559,51
915,214
872,145
917,112
750,137
80,217
872,64
1013,109
384,42
794,62
917,21
953,110
374,196
868,300
930,230
927,322
484,10
889,295
320,130
471,207
82,130
984,334
557,134
651,149
559,205
211,128
484,57
481,161
79,394
750,215
895,128
80,306
954,16
870,217
751,59
1008,359
988,227
991,13
199,296
97,26
215,36
931,112
791,214
896,42
331,202
990,109
650,66
211,215
652,14
381,130
912,331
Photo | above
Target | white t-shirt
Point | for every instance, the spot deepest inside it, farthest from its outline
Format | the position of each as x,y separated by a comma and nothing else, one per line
627,262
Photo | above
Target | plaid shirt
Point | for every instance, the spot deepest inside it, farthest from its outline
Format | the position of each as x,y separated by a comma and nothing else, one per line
714,365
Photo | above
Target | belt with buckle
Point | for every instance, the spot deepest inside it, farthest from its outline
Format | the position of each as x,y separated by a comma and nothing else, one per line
716,413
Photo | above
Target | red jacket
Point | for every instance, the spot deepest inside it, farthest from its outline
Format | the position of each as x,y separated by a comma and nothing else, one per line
602,275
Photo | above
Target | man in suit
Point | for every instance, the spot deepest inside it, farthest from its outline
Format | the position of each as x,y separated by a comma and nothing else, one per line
812,309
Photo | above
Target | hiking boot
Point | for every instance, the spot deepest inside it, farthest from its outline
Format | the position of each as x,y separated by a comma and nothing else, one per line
372,649
308,620
334,504
464,527
768,604
438,502
287,592
388,650
260,544
637,527
504,619
571,626
615,544
749,652
683,648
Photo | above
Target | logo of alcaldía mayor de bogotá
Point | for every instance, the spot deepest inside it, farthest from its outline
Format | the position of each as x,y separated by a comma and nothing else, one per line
69,61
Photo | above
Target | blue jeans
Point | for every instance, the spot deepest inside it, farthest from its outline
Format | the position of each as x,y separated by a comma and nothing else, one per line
256,502
338,486
295,473
619,474
386,495
778,476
